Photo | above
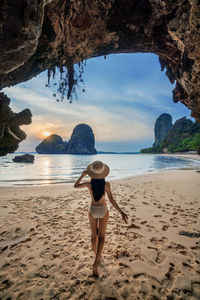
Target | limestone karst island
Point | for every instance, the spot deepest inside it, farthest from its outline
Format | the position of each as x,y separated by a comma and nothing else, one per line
182,136
81,142
99,150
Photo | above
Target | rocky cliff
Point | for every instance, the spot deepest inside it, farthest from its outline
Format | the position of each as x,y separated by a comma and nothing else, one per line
162,126
184,135
52,145
41,35
81,142
10,133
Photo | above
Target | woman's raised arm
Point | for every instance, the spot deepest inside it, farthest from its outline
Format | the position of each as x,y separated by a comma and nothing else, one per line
77,184
113,202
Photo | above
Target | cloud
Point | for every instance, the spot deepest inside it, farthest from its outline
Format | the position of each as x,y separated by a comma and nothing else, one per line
124,96
118,123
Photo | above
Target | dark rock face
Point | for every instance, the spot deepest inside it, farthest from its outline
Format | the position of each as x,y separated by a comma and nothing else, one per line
82,140
183,136
22,26
10,133
37,35
162,127
182,129
25,158
52,145
40,35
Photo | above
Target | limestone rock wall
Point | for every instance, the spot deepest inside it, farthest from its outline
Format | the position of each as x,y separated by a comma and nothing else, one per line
182,129
82,140
182,136
163,125
10,133
52,145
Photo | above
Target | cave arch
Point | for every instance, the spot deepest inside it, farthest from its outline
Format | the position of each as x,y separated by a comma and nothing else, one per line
37,35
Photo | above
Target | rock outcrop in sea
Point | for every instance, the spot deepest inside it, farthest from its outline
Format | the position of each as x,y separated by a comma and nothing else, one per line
162,127
25,158
53,144
82,141
183,136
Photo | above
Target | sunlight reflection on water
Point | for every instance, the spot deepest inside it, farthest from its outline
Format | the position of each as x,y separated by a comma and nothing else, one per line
52,169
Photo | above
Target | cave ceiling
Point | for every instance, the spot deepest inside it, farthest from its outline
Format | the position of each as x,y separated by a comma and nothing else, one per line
37,35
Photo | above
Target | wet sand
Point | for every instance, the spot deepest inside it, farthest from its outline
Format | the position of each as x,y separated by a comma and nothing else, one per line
182,155
45,250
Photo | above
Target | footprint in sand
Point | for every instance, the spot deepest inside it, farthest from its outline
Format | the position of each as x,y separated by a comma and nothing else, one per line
169,278
174,220
195,247
133,208
134,226
162,222
157,241
165,227
161,257
6,284
196,289
150,228
187,266
143,222
121,253
5,266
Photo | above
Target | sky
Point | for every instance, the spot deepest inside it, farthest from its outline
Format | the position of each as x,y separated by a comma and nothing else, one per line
124,95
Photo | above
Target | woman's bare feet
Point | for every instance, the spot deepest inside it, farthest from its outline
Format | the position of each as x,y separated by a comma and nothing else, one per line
95,270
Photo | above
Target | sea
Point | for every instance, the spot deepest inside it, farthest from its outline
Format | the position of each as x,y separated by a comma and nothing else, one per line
65,168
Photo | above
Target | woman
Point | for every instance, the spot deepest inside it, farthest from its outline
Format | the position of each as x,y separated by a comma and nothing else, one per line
98,212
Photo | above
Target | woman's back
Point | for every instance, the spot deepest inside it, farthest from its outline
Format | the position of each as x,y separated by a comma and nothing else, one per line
97,192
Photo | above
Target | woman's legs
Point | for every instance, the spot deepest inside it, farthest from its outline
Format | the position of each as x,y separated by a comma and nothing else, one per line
94,232
101,239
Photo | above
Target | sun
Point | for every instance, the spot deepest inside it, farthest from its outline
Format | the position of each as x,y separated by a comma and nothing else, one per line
46,133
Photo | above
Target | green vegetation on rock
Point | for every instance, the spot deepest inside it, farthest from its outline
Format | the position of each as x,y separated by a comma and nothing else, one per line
154,149
183,136
187,144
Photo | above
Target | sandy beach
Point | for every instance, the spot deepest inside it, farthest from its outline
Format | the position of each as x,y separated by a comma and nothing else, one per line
45,250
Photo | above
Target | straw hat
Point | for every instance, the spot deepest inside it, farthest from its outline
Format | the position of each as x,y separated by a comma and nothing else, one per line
98,170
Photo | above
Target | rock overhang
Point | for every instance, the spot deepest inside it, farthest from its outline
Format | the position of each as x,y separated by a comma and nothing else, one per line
60,33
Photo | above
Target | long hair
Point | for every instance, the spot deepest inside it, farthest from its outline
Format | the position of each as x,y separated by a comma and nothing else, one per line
98,188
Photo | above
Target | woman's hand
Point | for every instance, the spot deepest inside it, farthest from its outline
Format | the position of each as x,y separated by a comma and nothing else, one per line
124,217
84,173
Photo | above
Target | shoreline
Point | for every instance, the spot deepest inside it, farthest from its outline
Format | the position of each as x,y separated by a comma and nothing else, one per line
45,249
194,157
182,155
70,183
